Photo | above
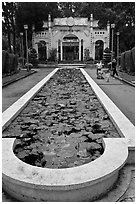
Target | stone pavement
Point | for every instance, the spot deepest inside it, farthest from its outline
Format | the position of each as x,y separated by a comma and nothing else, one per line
122,94
8,79
129,196
15,90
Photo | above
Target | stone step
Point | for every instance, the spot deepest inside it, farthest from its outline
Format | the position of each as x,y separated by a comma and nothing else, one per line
117,194
120,188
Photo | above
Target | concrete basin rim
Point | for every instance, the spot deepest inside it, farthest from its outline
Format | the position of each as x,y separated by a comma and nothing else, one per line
69,187
58,172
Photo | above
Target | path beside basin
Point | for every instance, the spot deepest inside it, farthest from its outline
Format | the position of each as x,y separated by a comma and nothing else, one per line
122,94
14,91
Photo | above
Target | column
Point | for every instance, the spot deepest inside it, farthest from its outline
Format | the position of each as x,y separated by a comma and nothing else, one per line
91,35
93,51
36,47
61,50
49,22
105,43
108,37
112,27
47,50
57,50
91,21
80,50
118,49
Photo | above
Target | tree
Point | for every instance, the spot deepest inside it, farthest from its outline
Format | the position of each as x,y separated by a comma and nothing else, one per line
8,24
34,13
33,57
68,9
120,13
125,24
4,44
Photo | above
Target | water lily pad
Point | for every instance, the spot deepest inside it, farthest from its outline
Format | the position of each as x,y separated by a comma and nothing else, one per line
66,146
93,146
74,135
61,105
82,153
68,154
63,165
105,117
47,153
95,136
45,127
33,127
22,155
71,165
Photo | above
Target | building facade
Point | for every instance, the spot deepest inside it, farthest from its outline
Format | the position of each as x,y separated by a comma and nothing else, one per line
71,38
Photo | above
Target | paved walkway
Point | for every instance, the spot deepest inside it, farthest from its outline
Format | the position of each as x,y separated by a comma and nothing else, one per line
15,90
122,94
8,79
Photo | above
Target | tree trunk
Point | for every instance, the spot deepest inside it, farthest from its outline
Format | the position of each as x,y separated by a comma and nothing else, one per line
9,41
14,40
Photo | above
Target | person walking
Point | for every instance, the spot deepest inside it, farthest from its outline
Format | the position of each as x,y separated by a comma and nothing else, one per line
114,65
99,70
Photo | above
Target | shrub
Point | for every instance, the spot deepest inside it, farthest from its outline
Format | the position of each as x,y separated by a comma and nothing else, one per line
4,44
106,56
133,54
21,62
107,50
5,61
11,62
122,62
16,63
86,54
128,62
33,57
133,59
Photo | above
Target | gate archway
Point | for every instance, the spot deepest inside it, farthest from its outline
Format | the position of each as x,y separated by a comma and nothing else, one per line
70,47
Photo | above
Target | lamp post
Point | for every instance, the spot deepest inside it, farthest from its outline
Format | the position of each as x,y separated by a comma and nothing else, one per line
33,34
117,49
21,38
26,28
112,26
